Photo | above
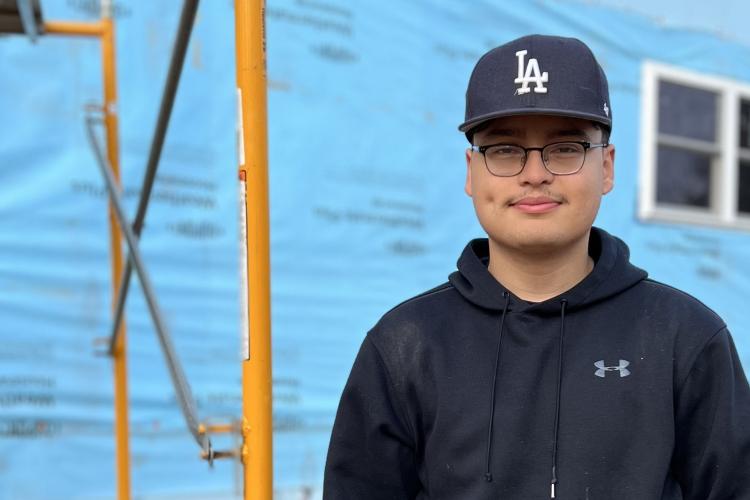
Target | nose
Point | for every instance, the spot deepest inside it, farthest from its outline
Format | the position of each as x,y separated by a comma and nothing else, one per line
534,172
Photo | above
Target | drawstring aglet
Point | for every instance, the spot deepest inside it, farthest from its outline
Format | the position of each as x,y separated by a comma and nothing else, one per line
488,477
552,492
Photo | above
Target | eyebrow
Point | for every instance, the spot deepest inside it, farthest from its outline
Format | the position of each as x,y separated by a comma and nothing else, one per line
576,132
505,132
566,132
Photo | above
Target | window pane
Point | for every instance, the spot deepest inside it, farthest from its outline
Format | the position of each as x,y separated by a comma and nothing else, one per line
687,111
743,200
683,177
745,124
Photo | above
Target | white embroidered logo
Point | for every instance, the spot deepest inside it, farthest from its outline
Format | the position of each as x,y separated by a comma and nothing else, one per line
602,370
606,109
531,74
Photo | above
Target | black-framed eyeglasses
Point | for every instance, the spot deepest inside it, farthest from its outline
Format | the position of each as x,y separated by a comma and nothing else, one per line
559,158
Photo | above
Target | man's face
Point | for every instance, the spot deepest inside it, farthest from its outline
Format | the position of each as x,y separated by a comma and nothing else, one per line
536,211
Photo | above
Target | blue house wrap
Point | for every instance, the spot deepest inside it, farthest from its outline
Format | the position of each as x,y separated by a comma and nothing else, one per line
367,208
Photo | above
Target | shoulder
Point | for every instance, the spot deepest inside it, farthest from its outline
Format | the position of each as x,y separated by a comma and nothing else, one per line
427,300
679,306
688,323
405,326
420,308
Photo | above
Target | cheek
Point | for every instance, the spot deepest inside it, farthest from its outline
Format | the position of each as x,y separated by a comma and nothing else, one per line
487,198
485,186
589,198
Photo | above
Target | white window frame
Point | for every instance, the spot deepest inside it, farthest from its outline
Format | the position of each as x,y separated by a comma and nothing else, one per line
722,210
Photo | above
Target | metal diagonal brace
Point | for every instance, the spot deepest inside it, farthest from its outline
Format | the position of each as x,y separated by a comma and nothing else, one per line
26,12
184,396
187,18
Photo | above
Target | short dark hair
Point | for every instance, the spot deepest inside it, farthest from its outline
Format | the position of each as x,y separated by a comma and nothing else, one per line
605,131
478,128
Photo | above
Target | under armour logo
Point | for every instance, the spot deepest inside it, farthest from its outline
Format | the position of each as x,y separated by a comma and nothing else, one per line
602,370
606,109
532,74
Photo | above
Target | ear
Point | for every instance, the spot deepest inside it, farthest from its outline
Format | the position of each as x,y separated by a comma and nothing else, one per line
467,185
608,169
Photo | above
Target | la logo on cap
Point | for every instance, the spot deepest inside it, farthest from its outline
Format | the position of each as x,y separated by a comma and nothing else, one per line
531,74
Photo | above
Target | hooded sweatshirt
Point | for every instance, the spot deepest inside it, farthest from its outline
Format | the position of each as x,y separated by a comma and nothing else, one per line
621,388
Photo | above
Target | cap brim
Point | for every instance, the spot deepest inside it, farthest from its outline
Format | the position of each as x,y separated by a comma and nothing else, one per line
474,122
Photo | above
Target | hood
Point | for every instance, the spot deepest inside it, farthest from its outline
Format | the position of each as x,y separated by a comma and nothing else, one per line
612,274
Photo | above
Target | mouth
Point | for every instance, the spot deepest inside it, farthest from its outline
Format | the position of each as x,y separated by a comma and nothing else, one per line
536,204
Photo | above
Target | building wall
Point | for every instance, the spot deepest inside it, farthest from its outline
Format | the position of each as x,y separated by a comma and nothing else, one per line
367,209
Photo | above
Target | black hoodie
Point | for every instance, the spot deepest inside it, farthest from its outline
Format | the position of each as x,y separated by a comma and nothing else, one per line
621,388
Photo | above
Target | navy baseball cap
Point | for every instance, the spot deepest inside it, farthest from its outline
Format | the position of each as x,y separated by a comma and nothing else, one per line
537,75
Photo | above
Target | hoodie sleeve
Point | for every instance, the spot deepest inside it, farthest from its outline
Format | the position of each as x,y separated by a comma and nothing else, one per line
371,454
712,451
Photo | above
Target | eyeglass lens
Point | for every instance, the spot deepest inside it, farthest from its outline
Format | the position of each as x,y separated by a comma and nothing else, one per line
561,158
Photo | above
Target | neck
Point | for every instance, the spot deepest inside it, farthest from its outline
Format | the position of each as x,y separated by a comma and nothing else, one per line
539,276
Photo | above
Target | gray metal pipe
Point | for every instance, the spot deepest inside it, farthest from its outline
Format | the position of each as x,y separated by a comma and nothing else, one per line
184,395
185,27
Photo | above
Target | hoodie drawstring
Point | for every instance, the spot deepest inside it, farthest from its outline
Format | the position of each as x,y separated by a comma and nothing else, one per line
563,304
488,474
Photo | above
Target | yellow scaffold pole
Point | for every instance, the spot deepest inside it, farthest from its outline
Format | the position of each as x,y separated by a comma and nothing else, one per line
257,428
119,355
105,30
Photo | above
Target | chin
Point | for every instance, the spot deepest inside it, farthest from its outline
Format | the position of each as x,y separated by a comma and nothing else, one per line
538,243
534,240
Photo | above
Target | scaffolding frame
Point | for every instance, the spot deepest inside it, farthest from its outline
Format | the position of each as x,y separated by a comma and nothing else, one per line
256,429
257,421
104,30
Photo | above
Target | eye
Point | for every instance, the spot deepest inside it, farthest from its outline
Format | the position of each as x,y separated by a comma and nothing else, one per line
565,149
504,151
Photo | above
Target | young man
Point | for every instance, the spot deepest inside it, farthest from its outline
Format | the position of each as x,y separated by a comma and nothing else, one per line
548,365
